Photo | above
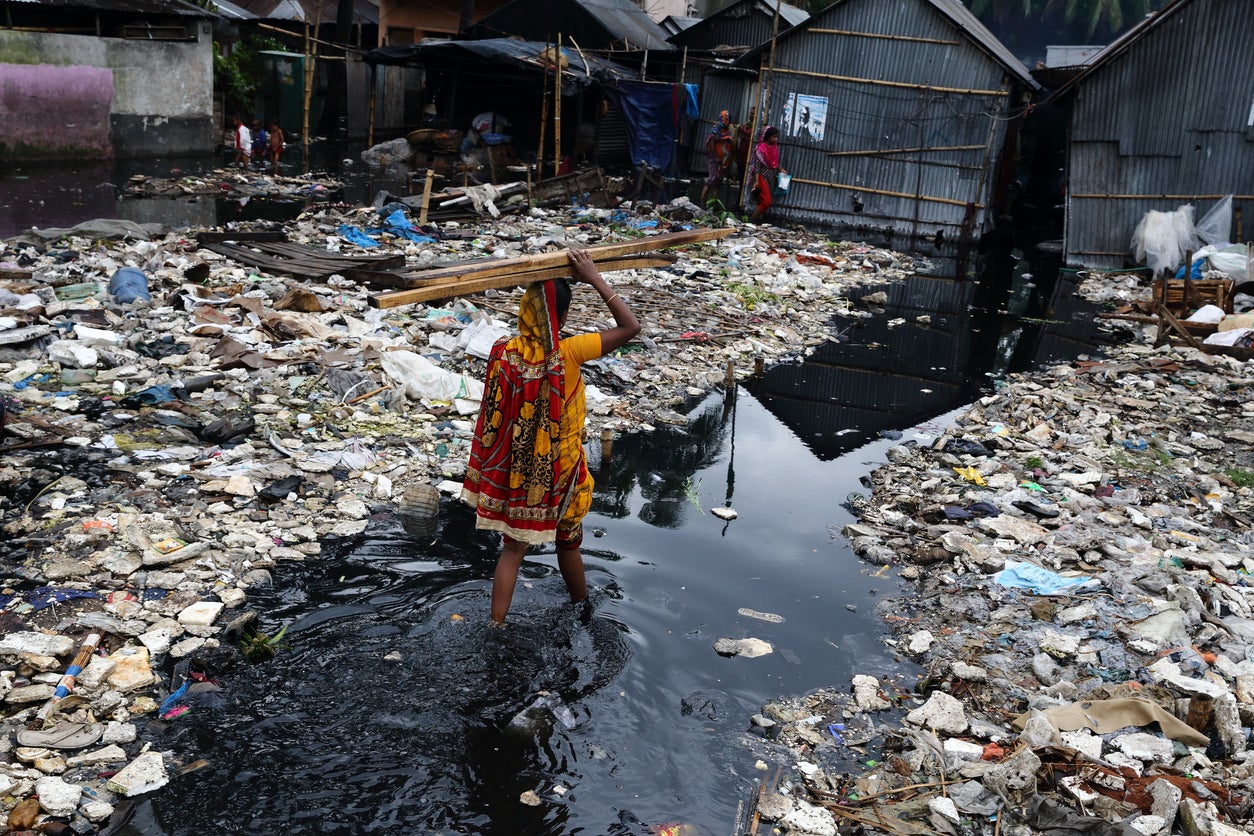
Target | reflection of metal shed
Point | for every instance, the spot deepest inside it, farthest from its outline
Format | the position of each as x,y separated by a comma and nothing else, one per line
893,116
1161,117
745,23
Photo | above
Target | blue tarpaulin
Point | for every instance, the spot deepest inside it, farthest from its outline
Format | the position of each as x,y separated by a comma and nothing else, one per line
652,113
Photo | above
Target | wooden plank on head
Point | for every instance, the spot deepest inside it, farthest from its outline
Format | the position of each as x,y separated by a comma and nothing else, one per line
540,261
453,289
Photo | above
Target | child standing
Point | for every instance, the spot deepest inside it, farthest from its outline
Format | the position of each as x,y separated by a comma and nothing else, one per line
243,143
276,146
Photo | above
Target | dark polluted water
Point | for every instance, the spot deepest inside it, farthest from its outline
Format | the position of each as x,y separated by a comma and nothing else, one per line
394,708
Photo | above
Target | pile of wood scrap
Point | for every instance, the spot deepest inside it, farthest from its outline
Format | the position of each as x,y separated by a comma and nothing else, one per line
466,277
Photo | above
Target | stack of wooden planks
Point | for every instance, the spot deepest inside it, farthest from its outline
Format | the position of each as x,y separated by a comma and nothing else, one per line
460,279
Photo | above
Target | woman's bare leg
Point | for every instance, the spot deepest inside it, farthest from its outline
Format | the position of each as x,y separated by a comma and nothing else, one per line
506,577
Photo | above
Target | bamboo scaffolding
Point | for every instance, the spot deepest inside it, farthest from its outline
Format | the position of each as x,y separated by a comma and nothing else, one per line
901,84
883,37
450,289
947,200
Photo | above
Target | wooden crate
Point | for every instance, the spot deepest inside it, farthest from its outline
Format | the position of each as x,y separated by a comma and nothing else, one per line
1184,296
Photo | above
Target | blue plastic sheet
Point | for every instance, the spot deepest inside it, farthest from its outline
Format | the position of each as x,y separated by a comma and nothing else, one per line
45,596
397,224
354,235
652,112
1037,579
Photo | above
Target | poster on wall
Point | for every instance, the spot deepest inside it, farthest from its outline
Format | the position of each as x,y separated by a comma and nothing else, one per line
804,117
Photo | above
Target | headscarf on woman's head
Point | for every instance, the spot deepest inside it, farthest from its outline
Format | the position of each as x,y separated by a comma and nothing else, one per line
766,152
512,475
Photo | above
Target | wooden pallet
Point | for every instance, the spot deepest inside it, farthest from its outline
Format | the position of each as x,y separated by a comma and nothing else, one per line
290,259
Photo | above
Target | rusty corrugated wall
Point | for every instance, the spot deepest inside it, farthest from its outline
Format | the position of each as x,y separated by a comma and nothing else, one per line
909,103
1164,117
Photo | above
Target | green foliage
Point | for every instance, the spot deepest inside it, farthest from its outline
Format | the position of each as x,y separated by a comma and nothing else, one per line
750,295
1107,17
258,647
238,74
1242,478
691,492
1034,463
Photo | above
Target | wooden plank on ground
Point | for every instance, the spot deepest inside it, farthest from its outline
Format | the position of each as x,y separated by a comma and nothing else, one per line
208,237
540,261
451,289
303,262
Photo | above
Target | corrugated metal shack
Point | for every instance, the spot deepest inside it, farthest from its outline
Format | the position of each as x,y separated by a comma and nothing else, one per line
743,24
1162,117
893,116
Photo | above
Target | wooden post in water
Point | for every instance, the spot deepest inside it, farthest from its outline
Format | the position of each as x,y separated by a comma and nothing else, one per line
607,445
758,365
426,198
730,380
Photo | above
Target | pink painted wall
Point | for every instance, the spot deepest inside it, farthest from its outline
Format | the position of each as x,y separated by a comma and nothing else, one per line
63,111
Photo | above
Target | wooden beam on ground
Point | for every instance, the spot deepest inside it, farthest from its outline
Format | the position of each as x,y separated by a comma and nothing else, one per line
451,289
480,269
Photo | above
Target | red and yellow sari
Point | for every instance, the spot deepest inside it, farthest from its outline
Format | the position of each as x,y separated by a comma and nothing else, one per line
527,475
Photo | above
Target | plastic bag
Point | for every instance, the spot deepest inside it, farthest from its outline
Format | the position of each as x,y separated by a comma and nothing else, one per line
417,378
1215,227
1161,239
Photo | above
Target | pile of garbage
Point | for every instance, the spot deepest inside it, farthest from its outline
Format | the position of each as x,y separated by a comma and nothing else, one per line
1079,552
232,183
176,426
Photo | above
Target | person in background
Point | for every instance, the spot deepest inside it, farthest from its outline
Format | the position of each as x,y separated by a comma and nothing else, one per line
261,144
744,142
527,476
719,153
764,171
243,143
276,145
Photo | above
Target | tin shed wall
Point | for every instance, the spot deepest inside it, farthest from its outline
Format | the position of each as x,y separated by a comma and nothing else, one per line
925,85
1165,123
730,91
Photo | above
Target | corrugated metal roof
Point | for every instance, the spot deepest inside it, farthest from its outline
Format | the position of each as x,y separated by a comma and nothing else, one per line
145,7
627,20
1057,57
745,23
581,67
230,11
306,11
1159,120
594,24
953,10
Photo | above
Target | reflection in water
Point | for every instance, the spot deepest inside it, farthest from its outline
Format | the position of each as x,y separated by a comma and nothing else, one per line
62,193
891,371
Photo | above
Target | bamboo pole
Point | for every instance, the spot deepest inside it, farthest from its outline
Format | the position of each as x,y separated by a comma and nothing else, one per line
544,114
871,152
311,58
883,37
374,71
483,268
449,290
900,84
1162,196
557,106
947,200
759,114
